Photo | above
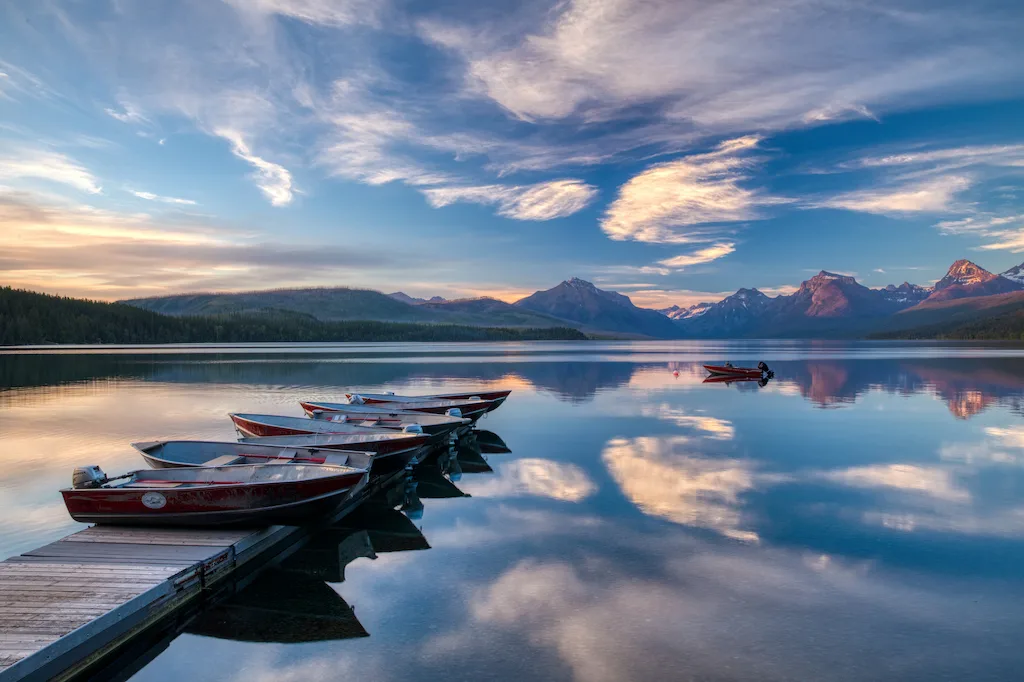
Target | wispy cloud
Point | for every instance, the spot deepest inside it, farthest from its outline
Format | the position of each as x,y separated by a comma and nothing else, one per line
149,196
320,12
929,196
542,201
128,113
730,65
666,202
43,164
76,249
274,180
1011,155
699,256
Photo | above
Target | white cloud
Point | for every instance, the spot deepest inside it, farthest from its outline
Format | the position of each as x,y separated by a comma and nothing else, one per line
537,477
729,65
273,179
953,157
78,250
682,487
149,196
710,427
931,481
322,12
929,196
46,165
541,201
665,298
664,203
705,255
782,290
1006,233
1011,436
129,113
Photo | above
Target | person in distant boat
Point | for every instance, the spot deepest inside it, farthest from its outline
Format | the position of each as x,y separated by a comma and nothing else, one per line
727,364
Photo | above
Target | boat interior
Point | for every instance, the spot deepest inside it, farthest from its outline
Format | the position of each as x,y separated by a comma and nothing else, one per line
229,475
213,454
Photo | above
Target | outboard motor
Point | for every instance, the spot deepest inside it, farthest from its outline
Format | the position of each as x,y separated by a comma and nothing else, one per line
88,477
356,400
317,414
454,412
412,428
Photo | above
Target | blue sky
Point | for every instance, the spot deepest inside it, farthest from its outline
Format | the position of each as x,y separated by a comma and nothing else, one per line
674,151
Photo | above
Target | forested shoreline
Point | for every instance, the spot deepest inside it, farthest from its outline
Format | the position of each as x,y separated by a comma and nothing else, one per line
30,318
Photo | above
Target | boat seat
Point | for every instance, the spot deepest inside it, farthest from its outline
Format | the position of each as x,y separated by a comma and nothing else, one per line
223,460
284,457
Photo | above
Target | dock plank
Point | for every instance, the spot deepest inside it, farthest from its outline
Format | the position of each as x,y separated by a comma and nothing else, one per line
159,536
78,599
136,553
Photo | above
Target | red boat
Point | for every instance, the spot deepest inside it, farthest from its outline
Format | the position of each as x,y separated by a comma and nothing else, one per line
734,371
166,454
386,416
263,425
246,495
730,379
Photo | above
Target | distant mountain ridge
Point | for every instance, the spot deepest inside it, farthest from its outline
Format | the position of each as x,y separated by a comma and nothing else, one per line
828,304
831,304
411,300
579,301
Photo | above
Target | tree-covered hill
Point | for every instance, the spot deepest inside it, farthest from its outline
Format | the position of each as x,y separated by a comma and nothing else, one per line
1006,326
29,318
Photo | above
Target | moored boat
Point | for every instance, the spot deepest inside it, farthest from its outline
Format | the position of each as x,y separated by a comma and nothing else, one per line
168,454
392,451
384,417
244,495
261,425
495,397
473,407
734,371
729,379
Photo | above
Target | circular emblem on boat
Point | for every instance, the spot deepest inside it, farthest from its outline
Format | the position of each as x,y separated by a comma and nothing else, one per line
154,500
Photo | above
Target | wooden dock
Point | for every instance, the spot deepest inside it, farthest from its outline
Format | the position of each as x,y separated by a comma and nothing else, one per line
67,605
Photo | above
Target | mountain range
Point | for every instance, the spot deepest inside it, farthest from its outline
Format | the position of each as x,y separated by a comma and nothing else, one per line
836,305
826,305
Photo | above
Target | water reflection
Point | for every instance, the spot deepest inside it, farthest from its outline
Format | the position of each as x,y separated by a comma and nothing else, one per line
668,478
968,385
638,525
296,598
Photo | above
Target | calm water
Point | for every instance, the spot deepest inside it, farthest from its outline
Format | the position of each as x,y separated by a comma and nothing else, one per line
861,517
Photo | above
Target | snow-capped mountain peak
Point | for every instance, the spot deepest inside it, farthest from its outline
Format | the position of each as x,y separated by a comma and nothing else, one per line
1015,274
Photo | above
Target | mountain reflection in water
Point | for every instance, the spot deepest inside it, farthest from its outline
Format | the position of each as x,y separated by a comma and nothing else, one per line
968,386
860,517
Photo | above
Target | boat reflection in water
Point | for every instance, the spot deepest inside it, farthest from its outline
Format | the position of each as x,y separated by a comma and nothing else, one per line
293,599
741,382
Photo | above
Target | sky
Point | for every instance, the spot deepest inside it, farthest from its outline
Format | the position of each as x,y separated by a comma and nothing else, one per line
672,150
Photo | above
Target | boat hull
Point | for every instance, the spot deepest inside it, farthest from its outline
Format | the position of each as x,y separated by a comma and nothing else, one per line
438,427
287,503
724,370
471,409
255,428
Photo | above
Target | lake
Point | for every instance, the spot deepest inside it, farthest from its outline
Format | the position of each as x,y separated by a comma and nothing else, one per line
860,517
